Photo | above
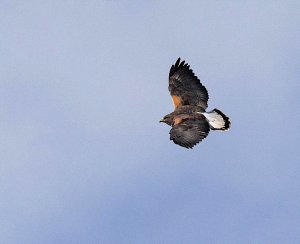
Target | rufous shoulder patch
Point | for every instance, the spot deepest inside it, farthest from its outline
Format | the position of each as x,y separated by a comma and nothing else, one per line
177,121
177,101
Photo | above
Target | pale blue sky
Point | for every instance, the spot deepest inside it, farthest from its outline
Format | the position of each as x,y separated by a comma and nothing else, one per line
83,85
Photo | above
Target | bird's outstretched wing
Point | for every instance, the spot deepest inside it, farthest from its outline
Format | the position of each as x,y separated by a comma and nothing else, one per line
189,132
185,87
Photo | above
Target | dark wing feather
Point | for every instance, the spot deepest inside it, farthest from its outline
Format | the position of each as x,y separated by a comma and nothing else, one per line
189,132
185,87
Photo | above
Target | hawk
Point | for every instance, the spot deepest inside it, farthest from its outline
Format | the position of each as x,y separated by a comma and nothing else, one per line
190,122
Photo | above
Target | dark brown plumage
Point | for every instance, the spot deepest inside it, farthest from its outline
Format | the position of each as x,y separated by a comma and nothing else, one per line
190,123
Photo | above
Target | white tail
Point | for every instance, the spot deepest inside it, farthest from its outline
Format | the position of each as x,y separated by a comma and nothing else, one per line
217,120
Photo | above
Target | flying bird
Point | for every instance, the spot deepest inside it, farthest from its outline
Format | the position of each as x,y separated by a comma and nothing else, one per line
190,122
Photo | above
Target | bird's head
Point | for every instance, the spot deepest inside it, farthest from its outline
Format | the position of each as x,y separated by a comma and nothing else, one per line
167,119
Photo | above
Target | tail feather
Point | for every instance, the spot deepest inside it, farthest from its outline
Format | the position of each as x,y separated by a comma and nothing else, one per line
217,120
